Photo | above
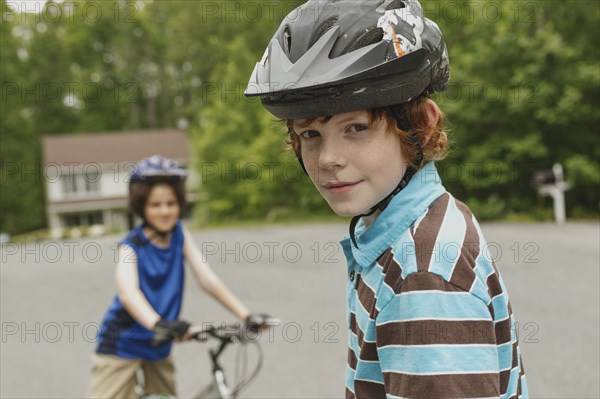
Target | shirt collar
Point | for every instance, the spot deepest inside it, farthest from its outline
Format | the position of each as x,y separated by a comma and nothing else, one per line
424,188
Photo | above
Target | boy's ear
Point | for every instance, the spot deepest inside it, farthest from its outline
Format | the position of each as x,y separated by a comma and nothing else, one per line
433,116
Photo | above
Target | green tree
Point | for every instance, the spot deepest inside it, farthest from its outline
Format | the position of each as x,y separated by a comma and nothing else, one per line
246,174
524,95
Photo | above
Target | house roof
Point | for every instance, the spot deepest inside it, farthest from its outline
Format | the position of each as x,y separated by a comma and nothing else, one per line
110,147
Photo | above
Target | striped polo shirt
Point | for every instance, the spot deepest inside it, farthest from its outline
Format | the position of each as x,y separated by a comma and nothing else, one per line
428,314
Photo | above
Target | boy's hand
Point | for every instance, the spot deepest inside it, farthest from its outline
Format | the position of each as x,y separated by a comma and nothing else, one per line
167,330
256,322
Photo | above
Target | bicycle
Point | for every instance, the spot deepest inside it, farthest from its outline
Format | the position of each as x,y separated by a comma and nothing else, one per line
226,334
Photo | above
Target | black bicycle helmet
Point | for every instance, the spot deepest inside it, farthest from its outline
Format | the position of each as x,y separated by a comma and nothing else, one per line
369,53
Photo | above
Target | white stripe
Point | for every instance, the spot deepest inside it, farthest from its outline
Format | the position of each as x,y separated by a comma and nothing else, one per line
359,360
430,318
442,372
419,220
435,291
362,379
463,238
441,346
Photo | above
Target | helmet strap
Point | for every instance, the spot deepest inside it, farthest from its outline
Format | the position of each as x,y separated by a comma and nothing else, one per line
156,232
397,111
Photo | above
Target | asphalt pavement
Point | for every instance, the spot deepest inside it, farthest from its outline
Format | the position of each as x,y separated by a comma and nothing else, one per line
53,295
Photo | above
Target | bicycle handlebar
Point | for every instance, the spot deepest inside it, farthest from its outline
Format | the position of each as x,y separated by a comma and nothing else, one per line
224,332
228,332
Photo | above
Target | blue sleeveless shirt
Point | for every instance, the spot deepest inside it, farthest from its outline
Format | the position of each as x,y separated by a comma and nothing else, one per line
161,279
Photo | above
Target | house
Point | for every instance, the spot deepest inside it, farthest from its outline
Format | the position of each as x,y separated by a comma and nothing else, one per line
87,175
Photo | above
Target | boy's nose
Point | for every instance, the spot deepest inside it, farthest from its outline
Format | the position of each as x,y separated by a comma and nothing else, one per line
331,155
164,209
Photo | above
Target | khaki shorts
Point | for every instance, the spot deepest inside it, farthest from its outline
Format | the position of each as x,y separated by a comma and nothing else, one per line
116,377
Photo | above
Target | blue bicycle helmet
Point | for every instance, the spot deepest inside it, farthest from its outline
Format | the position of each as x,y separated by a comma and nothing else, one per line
157,167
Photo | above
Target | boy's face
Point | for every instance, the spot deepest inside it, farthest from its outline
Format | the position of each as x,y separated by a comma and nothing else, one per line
353,164
162,208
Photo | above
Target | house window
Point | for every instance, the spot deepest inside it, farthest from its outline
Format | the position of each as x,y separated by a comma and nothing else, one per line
86,183
70,184
83,219
91,181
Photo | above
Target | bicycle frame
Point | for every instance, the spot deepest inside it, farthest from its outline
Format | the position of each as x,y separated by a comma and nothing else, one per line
219,380
227,334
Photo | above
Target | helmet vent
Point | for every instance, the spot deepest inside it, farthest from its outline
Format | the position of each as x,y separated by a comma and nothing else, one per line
325,26
395,4
371,36
287,41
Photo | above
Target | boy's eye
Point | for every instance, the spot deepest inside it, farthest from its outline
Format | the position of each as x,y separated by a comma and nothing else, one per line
309,134
358,127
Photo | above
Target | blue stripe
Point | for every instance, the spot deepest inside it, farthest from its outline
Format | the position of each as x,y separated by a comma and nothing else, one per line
373,276
505,355
449,241
369,371
500,307
350,377
433,305
524,390
513,383
353,341
404,254
482,271
386,293
439,359
362,317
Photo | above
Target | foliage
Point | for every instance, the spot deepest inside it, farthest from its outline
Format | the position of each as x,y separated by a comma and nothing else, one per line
524,95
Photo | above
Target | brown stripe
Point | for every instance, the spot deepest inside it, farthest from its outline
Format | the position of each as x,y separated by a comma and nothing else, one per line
521,374
493,285
368,389
426,234
491,310
504,379
353,326
352,359
463,274
503,331
429,332
366,296
349,394
423,281
391,270
442,386
368,351
385,257
463,277
515,356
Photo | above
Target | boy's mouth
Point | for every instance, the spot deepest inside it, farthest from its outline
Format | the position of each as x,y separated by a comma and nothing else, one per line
340,187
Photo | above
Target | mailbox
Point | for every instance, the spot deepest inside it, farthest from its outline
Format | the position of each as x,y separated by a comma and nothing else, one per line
551,182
